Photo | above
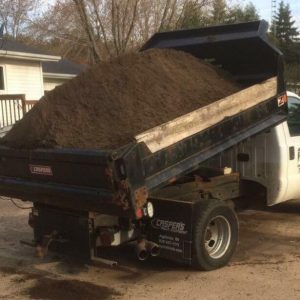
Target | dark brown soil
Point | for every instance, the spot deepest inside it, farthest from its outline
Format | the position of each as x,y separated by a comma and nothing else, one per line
106,106
55,289
52,289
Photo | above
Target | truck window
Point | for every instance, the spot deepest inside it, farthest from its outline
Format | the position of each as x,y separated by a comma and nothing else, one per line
294,116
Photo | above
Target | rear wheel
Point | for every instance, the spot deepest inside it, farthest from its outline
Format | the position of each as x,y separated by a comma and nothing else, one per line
215,234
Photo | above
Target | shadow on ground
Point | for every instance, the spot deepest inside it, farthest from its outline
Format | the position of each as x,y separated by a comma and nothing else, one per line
46,288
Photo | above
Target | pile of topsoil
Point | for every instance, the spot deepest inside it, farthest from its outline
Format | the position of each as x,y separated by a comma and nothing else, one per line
110,103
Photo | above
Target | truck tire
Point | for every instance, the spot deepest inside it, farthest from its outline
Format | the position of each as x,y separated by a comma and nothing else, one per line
215,234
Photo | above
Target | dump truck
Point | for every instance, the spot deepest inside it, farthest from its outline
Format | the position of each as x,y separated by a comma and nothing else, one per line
158,192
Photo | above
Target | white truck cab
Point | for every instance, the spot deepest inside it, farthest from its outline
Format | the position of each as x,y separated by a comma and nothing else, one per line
271,158
292,137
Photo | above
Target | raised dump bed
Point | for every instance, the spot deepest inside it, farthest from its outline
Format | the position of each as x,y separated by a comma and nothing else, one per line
104,178
120,181
153,190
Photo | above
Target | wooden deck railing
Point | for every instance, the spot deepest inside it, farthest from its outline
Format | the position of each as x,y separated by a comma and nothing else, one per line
13,108
28,104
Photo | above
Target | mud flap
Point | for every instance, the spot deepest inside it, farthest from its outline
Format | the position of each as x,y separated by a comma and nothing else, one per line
171,229
73,233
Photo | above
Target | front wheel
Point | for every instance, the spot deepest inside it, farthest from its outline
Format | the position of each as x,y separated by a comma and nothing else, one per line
215,234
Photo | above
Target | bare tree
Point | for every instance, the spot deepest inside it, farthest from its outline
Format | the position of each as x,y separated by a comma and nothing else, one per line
194,13
86,24
103,29
59,30
16,14
219,11
114,23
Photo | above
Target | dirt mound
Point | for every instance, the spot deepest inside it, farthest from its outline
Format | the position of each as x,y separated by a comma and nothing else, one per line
106,106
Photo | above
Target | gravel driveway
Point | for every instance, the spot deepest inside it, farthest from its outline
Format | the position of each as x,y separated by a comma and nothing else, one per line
265,266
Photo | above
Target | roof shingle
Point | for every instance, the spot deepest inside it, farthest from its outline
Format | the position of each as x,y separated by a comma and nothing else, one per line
10,45
63,66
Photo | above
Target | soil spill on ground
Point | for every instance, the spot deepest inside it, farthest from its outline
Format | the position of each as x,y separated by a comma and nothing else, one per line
48,289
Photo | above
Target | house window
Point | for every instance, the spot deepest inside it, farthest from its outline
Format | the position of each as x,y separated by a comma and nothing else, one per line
2,87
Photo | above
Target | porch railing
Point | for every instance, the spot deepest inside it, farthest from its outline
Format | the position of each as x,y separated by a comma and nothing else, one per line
13,108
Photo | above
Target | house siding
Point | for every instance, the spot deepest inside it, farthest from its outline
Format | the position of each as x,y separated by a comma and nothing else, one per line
51,83
23,77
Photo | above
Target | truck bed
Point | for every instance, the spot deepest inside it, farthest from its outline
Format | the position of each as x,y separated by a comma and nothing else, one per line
120,181
111,181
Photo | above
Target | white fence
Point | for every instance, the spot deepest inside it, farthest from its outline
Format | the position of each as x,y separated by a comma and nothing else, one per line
13,108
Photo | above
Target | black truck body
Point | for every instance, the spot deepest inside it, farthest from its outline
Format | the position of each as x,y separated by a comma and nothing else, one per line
120,182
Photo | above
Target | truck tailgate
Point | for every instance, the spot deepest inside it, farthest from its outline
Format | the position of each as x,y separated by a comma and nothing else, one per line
63,177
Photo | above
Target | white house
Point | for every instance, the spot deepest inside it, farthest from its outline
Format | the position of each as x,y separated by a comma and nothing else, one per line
30,71
25,74
56,73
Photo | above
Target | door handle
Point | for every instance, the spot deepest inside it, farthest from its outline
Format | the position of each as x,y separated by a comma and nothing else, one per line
292,153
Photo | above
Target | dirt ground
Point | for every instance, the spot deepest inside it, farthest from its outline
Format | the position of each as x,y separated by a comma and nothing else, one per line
265,266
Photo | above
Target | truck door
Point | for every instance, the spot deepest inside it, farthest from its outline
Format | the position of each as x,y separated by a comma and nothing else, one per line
292,130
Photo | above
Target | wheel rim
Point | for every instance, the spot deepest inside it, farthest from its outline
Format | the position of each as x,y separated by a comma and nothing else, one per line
217,237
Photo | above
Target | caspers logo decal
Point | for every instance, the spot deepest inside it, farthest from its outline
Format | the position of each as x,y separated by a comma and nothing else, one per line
171,226
41,170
